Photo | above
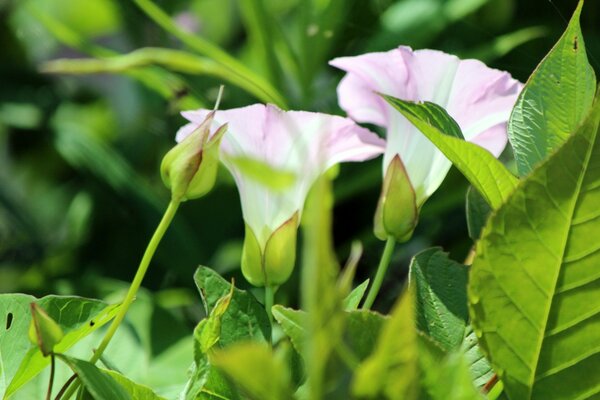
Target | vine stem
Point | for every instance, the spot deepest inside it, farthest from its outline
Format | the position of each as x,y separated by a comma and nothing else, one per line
386,257
51,382
133,288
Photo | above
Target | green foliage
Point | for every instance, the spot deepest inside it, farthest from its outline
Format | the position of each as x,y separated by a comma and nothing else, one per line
478,165
254,367
440,286
244,319
392,371
354,298
555,100
533,283
100,385
135,390
21,361
478,211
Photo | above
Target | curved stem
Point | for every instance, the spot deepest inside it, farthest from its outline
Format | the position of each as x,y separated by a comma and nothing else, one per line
133,288
380,274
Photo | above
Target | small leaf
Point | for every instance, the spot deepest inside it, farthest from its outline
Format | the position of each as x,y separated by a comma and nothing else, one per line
478,165
245,318
555,100
263,173
43,330
135,390
440,286
256,370
478,211
99,384
353,299
392,370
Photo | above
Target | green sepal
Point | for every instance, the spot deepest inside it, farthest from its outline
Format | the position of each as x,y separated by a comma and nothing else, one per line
190,168
43,330
252,260
397,212
274,264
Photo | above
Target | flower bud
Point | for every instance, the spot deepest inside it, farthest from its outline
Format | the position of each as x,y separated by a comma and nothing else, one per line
43,330
397,211
273,264
190,168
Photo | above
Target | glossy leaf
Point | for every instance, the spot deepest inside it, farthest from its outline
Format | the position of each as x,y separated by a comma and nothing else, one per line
534,284
21,361
440,286
555,101
245,318
478,165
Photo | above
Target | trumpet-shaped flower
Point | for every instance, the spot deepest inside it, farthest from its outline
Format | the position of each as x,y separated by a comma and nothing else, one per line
479,98
275,156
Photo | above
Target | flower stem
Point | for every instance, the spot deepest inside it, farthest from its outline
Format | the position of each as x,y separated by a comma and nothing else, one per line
269,300
52,368
133,288
380,274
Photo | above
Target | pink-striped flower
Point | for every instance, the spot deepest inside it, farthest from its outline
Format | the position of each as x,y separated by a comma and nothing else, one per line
275,156
479,98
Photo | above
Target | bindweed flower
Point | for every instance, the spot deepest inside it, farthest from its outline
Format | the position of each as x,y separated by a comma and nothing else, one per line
479,98
190,168
275,156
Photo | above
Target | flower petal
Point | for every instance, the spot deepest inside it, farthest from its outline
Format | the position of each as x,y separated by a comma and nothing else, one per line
479,98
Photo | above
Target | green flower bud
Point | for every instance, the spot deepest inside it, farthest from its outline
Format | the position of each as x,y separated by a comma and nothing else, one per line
272,264
190,168
43,330
397,212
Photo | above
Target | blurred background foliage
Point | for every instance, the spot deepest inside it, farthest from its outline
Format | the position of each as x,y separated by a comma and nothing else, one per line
81,141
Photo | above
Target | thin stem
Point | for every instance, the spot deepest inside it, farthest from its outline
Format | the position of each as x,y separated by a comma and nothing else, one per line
65,386
137,280
133,288
269,300
380,274
51,382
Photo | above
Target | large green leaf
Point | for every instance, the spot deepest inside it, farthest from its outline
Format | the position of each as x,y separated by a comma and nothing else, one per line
478,165
555,100
20,361
245,318
535,283
440,286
